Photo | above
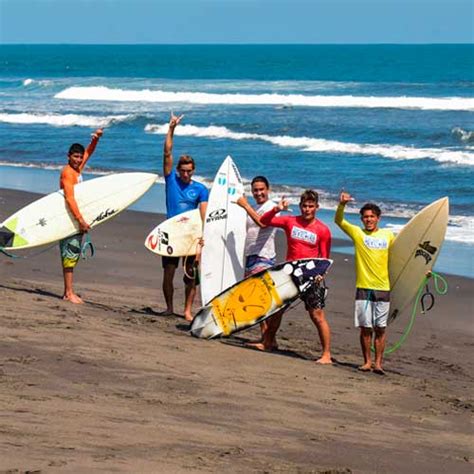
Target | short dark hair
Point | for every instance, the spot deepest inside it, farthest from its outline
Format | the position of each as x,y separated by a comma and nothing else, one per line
309,195
370,206
76,148
185,160
260,179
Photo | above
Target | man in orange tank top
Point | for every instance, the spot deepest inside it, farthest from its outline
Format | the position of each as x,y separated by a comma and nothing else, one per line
70,247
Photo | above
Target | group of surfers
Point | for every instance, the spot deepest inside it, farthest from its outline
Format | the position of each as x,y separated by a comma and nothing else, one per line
306,236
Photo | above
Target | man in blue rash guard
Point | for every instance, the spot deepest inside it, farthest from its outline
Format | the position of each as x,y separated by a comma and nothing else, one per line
182,194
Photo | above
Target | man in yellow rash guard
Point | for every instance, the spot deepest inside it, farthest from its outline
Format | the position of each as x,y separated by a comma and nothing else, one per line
372,304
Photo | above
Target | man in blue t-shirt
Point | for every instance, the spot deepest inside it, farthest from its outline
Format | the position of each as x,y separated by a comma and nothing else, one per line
182,194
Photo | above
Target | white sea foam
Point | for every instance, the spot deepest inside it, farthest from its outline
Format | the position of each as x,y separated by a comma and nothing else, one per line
50,167
320,145
294,100
67,120
463,135
460,229
29,82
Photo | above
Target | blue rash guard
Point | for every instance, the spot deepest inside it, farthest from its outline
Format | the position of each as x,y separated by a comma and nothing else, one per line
182,197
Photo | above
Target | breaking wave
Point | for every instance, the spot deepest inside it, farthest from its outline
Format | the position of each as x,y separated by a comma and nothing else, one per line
293,100
320,145
66,120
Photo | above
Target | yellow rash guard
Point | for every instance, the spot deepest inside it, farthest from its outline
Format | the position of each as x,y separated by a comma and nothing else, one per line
371,253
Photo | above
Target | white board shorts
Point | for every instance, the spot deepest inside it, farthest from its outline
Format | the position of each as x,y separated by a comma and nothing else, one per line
371,308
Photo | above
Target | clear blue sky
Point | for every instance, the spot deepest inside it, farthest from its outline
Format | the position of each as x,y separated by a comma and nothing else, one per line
236,21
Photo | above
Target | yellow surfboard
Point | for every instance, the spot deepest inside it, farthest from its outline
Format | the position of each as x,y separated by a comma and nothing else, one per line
257,297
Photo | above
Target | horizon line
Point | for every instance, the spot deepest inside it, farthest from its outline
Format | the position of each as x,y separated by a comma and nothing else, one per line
242,44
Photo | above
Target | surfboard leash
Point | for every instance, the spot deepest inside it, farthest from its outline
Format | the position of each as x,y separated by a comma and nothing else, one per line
10,255
86,245
423,292
197,243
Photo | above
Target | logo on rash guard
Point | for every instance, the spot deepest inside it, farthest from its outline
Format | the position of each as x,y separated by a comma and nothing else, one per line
192,194
375,244
304,235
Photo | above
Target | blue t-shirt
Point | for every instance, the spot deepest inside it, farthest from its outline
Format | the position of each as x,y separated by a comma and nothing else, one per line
182,197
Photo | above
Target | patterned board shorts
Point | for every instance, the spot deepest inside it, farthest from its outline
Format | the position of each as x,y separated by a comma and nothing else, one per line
70,249
255,264
315,296
371,308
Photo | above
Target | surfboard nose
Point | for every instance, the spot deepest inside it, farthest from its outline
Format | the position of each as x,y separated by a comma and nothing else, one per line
6,237
204,324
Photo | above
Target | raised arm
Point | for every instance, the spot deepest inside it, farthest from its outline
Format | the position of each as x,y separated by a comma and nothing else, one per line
242,202
270,218
91,148
346,226
168,148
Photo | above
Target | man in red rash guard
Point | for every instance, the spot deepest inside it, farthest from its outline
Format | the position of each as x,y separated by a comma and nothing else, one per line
307,237
70,247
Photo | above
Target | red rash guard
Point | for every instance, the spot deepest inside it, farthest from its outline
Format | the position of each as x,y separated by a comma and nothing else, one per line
304,240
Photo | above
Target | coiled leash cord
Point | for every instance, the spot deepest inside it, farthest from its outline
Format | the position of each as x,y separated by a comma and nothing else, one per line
426,299
195,275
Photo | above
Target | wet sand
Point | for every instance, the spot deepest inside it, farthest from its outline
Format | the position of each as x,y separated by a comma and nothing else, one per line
109,386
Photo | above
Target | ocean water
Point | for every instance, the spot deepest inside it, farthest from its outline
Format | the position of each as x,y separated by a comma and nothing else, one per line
391,124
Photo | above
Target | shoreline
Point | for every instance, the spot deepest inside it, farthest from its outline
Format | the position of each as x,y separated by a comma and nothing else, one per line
111,386
155,198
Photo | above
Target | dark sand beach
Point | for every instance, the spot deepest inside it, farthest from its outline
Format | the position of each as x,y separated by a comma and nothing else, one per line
109,386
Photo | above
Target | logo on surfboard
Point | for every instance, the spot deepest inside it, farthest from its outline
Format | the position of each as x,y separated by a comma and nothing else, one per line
103,215
217,215
424,250
160,238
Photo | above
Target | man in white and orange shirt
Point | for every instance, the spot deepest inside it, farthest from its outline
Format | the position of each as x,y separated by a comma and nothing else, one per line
260,240
70,247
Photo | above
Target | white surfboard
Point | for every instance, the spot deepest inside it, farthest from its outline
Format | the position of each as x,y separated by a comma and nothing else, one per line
222,259
256,298
413,254
177,236
48,219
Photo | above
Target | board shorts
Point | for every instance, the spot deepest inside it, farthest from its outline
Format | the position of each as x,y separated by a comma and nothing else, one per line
371,308
255,264
315,296
70,249
191,274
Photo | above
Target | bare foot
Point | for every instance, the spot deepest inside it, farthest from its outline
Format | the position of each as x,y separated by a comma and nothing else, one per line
259,346
260,341
188,317
166,312
365,367
73,298
379,371
324,360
